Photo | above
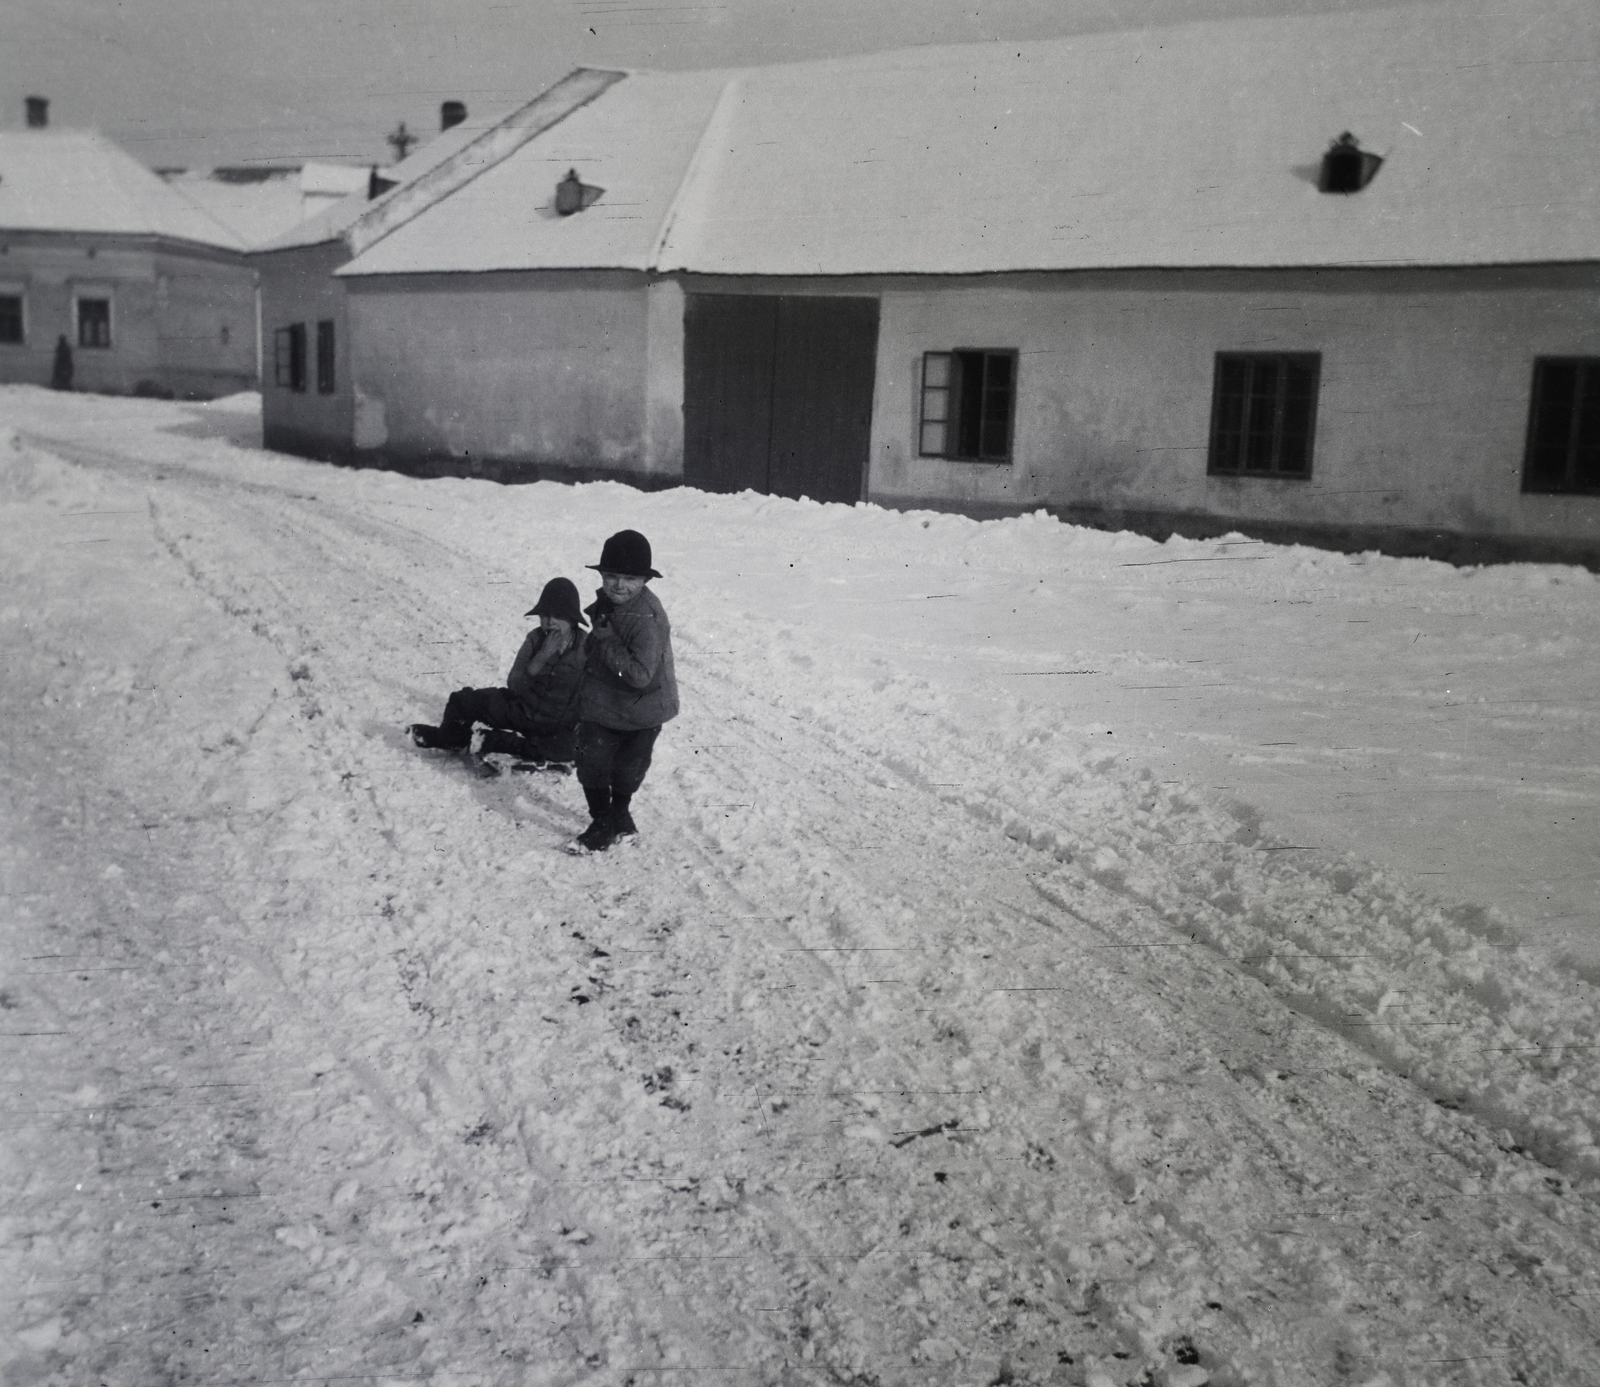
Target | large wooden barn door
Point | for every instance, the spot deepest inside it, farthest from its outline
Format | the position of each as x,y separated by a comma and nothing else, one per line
777,393
728,353
827,353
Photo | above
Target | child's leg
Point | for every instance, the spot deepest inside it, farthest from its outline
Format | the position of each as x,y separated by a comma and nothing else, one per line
627,775
518,744
492,707
632,761
554,746
597,755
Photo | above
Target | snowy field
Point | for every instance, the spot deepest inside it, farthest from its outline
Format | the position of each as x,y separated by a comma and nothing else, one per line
1049,957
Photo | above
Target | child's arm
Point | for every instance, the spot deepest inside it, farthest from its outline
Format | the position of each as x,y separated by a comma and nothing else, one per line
517,680
630,648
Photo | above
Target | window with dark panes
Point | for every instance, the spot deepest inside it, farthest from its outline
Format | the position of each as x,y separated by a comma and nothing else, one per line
968,405
325,385
94,322
1564,426
289,356
1264,413
10,317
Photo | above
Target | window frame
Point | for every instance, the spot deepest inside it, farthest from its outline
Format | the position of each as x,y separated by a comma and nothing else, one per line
289,358
1586,401
21,339
79,302
1236,442
327,378
952,398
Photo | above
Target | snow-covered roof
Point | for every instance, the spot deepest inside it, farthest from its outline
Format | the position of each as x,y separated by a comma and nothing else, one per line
260,209
333,220
439,168
79,181
331,180
1192,145
254,211
635,142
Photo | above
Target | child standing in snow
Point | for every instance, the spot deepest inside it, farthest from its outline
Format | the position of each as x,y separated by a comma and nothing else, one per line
629,689
535,716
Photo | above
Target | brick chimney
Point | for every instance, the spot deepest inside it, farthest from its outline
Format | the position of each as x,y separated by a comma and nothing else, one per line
38,112
452,113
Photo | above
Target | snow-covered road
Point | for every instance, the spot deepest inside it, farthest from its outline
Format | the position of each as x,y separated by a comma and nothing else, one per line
920,1040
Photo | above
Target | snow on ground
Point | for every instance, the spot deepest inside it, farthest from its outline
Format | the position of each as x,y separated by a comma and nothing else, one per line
1029,971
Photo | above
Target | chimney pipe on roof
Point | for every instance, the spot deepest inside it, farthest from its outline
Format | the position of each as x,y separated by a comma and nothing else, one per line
38,112
452,113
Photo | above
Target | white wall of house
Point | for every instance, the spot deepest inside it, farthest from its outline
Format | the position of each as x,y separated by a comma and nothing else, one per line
50,272
1421,420
663,444
1421,417
205,323
546,370
298,286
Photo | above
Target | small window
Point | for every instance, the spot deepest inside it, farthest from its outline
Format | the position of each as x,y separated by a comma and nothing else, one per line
11,318
94,322
968,403
289,356
325,385
1264,414
1564,426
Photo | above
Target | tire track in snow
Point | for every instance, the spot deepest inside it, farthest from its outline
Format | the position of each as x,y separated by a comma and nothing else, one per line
184,1278
220,586
442,1127
1044,1217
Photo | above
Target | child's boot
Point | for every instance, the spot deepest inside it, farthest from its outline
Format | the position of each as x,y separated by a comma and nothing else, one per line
599,835
621,820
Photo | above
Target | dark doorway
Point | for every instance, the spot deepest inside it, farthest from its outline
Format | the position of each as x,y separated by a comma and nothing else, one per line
777,393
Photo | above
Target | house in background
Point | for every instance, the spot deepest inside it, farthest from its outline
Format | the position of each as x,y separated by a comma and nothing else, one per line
307,405
1146,279
152,294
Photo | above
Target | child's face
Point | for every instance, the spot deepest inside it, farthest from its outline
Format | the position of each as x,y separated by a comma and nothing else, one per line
622,588
556,623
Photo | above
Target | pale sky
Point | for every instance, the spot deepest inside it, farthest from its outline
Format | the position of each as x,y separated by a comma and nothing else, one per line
199,83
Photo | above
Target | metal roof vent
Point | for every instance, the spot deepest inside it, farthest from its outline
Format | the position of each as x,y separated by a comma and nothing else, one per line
573,194
1346,167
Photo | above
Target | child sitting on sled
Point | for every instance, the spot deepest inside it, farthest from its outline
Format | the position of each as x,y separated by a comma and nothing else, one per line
534,717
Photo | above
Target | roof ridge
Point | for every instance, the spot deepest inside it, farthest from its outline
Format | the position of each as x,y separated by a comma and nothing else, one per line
499,141
669,218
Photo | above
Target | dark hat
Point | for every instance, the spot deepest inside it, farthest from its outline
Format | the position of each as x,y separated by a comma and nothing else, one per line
628,552
559,598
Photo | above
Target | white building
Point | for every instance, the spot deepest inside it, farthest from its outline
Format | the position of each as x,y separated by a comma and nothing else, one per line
1114,276
149,292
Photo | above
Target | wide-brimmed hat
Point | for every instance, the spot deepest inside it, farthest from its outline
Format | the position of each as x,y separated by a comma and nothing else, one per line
559,599
627,552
